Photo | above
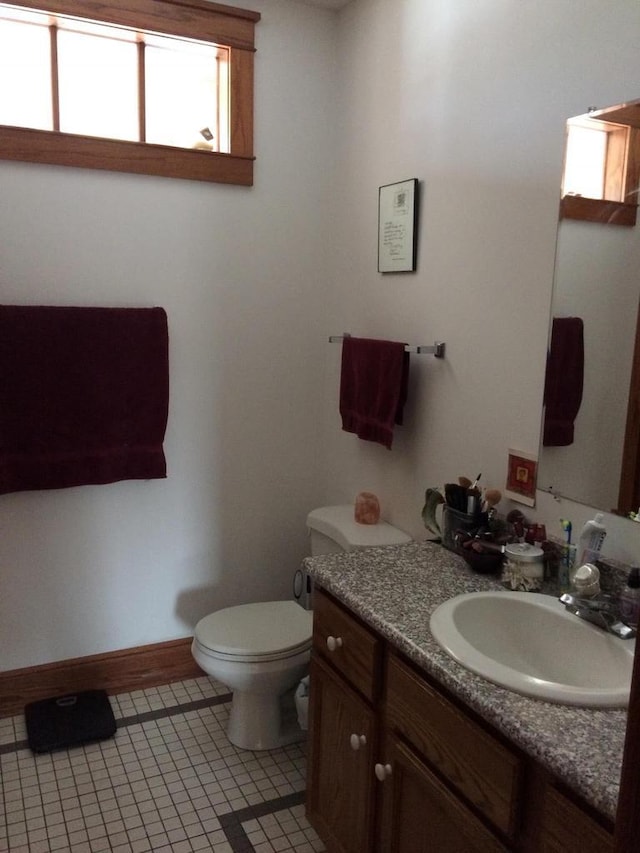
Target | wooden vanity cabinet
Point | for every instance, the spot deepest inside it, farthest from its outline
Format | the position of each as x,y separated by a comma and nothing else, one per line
343,730
395,766
367,789
342,737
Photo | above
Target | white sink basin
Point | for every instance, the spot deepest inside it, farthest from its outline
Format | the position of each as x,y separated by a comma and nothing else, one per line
529,643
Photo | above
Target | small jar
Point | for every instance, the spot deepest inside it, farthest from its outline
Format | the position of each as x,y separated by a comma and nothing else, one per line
586,581
523,568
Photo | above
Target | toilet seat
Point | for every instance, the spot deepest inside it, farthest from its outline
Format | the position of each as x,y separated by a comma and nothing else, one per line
265,631
256,660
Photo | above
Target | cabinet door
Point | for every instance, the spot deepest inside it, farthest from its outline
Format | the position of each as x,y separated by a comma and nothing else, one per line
565,828
340,762
483,770
421,815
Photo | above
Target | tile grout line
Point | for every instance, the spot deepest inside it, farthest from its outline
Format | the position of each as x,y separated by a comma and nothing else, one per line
174,710
16,746
231,822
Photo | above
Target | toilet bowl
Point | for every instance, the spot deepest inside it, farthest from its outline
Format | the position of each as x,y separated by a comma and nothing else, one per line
262,650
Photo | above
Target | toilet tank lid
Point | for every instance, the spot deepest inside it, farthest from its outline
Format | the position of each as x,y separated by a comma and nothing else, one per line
339,524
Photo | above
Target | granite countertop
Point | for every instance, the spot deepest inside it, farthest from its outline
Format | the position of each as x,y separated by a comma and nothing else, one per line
396,588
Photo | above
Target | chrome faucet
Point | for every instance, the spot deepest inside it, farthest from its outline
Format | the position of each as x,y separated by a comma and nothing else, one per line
602,611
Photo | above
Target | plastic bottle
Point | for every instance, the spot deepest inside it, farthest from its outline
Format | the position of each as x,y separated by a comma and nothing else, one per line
591,539
630,599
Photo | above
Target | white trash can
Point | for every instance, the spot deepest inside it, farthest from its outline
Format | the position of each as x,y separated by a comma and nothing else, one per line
302,703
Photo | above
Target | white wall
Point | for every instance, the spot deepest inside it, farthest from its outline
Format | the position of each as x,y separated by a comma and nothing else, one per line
471,98
242,274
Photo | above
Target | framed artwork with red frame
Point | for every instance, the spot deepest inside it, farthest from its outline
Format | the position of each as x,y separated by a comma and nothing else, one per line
522,473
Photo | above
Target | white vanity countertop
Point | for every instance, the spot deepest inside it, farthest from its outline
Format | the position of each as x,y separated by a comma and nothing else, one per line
396,588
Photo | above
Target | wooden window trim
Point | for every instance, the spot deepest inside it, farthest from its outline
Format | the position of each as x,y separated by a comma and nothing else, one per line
597,210
198,19
622,169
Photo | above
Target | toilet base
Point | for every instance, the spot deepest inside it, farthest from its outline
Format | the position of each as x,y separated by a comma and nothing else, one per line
257,721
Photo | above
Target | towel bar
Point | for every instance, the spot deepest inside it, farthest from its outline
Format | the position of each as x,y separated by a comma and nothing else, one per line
436,350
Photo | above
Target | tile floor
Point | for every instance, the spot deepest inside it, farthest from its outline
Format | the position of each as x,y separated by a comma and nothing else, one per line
169,781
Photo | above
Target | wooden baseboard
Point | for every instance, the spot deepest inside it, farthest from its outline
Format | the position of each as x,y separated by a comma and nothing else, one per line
116,672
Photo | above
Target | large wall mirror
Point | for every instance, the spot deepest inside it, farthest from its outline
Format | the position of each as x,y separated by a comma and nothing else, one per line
596,460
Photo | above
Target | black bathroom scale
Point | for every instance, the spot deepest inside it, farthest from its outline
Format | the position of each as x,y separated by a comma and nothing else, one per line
70,720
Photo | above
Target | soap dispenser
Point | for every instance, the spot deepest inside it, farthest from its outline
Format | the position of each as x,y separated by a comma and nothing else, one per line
630,599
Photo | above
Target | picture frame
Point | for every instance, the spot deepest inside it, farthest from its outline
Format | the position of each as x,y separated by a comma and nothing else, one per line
397,221
522,473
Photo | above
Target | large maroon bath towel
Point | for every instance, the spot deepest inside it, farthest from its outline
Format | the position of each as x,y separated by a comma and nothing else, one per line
84,395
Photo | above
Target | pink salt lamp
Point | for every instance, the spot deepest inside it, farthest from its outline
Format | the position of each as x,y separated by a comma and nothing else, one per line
367,508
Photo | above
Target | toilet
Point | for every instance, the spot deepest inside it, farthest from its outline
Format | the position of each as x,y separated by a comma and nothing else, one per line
262,650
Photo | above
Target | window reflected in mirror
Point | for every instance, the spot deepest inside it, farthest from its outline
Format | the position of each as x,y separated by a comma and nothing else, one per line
601,166
585,159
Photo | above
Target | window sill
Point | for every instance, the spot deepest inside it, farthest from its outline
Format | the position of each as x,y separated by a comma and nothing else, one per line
597,210
66,149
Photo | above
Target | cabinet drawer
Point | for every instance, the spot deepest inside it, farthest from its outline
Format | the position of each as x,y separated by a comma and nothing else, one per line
475,763
350,647
565,828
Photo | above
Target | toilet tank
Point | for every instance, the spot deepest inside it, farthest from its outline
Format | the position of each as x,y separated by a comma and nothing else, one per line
333,529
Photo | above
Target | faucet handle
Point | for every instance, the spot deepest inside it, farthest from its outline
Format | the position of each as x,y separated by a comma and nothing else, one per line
595,604
622,630
603,612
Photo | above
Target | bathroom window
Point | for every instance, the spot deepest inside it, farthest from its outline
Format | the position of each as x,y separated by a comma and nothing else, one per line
601,167
164,88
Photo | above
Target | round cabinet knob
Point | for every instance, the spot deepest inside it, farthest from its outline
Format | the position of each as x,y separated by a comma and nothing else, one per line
334,643
382,771
357,741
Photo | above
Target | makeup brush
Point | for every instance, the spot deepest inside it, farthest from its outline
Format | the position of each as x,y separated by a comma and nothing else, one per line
492,497
456,496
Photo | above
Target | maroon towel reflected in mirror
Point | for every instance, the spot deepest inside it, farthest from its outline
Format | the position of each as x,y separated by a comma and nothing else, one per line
563,381
84,395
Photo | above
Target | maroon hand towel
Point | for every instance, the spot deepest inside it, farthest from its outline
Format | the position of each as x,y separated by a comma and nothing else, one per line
373,387
563,381
83,395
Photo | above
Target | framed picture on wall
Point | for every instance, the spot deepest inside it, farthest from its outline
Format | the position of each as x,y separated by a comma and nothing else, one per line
522,472
397,219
